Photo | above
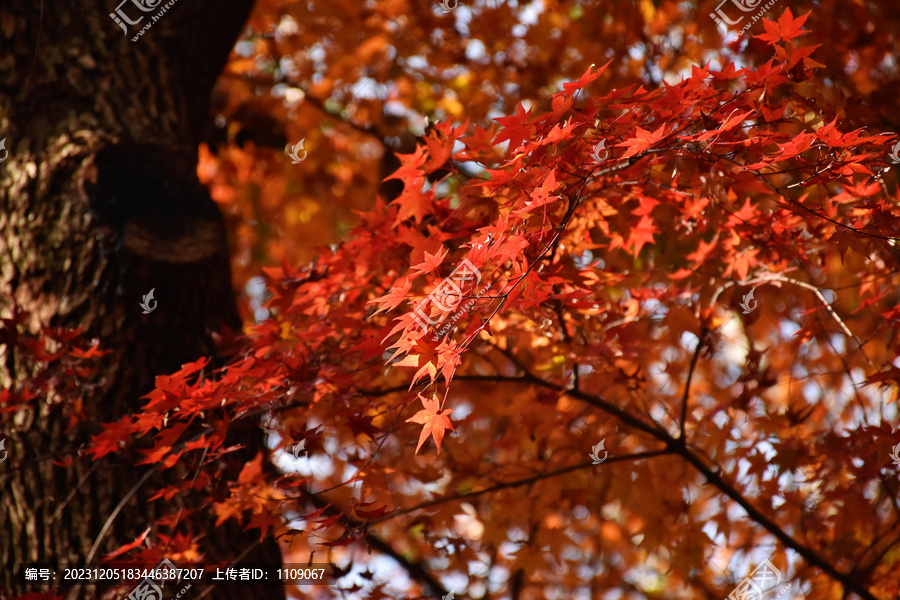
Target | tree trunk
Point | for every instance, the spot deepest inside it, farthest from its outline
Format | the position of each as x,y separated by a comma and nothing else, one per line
100,204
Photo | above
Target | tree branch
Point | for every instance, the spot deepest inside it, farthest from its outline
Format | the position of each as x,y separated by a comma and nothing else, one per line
687,385
514,484
673,446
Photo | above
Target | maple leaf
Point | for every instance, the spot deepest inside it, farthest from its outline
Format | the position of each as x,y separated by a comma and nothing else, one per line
413,202
434,421
704,249
411,167
439,150
560,133
742,263
426,360
561,105
541,196
65,461
252,470
786,28
112,436
589,76
642,140
641,234
394,297
744,215
431,262
729,124
480,139
263,521
514,128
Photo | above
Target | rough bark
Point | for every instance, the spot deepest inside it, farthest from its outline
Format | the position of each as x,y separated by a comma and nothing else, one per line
99,203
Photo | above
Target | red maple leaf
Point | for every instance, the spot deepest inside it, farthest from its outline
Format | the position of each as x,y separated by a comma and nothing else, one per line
786,28
730,123
642,140
514,128
263,521
435,422
585,79
439,150
744,215
542,195
108,441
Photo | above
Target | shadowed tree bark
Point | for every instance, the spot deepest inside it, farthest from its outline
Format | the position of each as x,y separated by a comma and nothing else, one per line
100,204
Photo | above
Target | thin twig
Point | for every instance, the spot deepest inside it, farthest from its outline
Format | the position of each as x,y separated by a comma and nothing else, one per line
687,385
115,512
828,307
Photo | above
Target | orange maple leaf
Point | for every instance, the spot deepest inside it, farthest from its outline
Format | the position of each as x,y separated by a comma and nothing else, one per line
394,297
411,166
431,262
641,234
413,202
435,422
